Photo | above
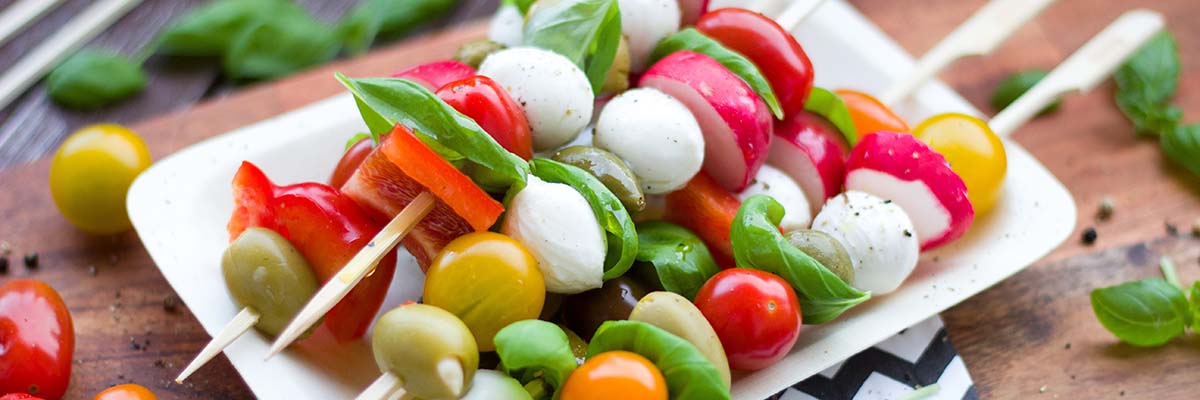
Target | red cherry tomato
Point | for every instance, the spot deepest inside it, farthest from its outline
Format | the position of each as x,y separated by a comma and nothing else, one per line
755,313
37,340
350,161
776,53
128,391
482,99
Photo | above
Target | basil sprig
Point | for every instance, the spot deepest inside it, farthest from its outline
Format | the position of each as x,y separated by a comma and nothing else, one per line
829,105
688,373
621,237
384,102
533,350
692,40
92,78
1145,85
1011,88
586,32
680,261
279,46
387,18
758,244
1149,312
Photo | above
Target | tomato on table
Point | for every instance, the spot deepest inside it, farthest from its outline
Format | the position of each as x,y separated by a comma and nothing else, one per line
756,315
615,375
772,49
37,340
351,159
91,173
974,152
128,391
869,114
484,101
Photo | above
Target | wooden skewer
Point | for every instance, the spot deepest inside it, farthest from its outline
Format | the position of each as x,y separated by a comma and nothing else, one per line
77,31
386,386
240,324
358,267
17,16
1084,69
978,35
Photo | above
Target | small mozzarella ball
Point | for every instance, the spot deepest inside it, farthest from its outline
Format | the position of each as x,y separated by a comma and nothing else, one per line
878,235
764,7
507,26
554,93
556,224
645,23
656,135
773,182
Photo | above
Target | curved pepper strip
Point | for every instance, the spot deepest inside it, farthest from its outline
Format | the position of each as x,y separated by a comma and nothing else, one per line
706,208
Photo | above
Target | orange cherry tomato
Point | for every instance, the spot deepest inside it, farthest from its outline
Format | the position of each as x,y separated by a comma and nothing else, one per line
869,114
615,375
128,391
974,152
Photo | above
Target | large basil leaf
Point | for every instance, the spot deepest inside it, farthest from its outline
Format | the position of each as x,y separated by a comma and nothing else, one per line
384,102
211,29
279,46
532,349
1148,312
1146,82
586,32
692,40
387,18
621,236
827,104
680,260
1182,145
758,244
92,79
688,373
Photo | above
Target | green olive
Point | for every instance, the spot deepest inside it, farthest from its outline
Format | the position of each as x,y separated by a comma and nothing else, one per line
675,314
617,79
428,348
578,345
265,273
473,53
610,170
826,250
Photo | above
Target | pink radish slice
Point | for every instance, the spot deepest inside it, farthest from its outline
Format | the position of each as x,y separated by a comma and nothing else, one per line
900,168
692,10
436,74
735,121
812,151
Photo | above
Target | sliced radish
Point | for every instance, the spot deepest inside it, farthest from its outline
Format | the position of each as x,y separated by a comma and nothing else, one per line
810,150
436,74
645,23
900,168
735,121
773,182
691,10
877,234
656,135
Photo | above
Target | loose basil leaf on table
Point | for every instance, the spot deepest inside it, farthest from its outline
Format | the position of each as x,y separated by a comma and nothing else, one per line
1146,82
211,29
1011,88
534,349
587,32
692,40
384,102
1194,301
1182,145
92,78
1148,312
279,46
758,244
621,235
827,104
387,18
680,260
688,373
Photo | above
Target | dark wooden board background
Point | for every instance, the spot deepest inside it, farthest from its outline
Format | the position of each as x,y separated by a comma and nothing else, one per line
1033,331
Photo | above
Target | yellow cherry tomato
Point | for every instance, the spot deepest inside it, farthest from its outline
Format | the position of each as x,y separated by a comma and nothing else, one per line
91,173
615,375
975,153
489,281
128,391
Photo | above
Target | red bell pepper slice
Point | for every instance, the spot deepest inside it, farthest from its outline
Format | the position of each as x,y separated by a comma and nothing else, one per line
772,49
707,209
482,99
328,228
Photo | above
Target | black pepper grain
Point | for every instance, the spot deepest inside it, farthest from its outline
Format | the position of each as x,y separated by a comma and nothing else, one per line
31,260
1171,229
168,303
3,265
1089,236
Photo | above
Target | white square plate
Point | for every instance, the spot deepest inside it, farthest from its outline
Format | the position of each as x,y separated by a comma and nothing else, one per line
180,205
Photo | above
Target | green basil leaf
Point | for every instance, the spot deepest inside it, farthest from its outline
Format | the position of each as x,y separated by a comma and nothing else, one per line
279,46
384,102
1011,88
92,79
758,244
688,373
827,104
1148,118
1153,72
210,30
1182,145
522,5
692,40
1148,312
621,236
533,349
388,19
1194,300
586,32
680,260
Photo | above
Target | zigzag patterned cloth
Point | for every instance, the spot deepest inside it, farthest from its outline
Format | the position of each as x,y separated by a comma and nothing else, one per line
916,357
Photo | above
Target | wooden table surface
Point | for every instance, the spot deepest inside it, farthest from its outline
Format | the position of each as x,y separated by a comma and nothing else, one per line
1032,335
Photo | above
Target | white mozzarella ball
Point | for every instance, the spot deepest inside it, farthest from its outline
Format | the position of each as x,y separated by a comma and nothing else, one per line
656,135
507,26
878,235
645,23
556,225
554,93
765,7
775,183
